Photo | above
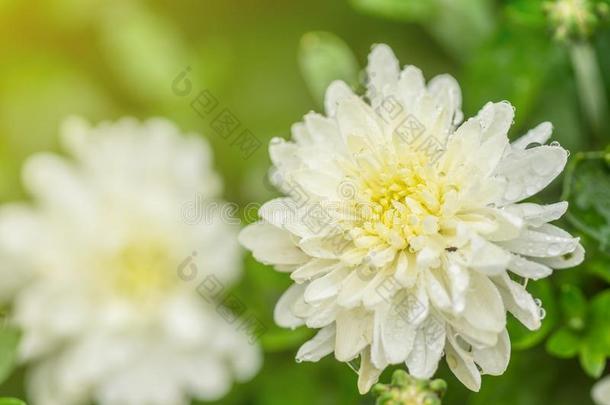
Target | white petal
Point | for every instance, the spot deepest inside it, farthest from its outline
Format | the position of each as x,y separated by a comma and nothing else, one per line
437,291
472,333
317,183
462,365
601,392
427,349
59,186
354,330
508,225
527,268
484,308
529,171
446,91
284,155
397,333
271,245
352,289
411,87
325,245
382,71
459,281
321,345
494,360
565,261
377,351
368,373
496,119
406,270
538,135
381,287
279,212
359,125
544,241
326,286
488,258
313,269
283,314
336,91
322,314
300,134
324,131
537,215
518,302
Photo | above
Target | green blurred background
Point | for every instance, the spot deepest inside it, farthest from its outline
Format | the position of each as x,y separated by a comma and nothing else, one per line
267,62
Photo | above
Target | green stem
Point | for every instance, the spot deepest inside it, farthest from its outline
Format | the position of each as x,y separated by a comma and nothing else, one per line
589,83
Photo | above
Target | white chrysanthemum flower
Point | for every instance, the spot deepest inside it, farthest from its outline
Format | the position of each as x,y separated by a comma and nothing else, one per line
104,313
404,230
601,392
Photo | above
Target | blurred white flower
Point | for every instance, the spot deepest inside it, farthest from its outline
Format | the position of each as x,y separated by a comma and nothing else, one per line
601,392
94,261
404,230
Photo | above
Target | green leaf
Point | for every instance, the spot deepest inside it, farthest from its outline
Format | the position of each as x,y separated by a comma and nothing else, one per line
599,320
144,48
9,337
593,362
574,306
323,58
462,25
587,188
11,401
596,347
521,337
563,343
459,25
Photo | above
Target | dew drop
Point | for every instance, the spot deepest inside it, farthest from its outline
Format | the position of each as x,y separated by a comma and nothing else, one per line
542,313
555,143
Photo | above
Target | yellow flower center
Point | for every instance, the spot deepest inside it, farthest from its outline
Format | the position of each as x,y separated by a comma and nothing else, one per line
400,199
142,271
